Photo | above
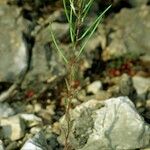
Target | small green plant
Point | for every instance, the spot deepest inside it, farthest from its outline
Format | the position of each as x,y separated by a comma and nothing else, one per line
76,12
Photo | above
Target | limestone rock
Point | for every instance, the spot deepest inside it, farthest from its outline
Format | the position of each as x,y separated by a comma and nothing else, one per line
136,3
141,85
31,120
6,110
1,145
38,142
45,62
13,57
123,86
111,124
125,31
126,87
12,128
94,87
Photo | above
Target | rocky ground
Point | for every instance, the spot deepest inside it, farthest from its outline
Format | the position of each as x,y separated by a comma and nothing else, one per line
112,109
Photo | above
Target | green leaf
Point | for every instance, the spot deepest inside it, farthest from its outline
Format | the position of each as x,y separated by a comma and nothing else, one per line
70,18
94,23
91,30
73,7
56,45
86,9
65,8
71,23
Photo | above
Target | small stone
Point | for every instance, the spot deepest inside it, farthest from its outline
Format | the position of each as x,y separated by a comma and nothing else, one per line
56,128
81,95
35,130
12,145
148,103
126,87
30,108
12,128
38,142
48,112
6,110
1,145
141,85
94,87
122,86
50,108
31,120
37,107
140,103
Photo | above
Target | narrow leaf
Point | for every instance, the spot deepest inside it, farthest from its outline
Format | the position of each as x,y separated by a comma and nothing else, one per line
72,7
86,9
93,28
93,24
71,24
65,8
57,47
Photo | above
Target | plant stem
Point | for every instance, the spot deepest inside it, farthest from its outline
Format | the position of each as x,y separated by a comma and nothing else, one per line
75,16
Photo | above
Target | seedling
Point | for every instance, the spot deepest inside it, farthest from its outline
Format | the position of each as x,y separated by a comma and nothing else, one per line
76,12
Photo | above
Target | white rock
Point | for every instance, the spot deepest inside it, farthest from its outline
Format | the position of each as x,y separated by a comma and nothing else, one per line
1,145
13,50
146,148
12,128
94,87
38,142
116,125
31,119
141,84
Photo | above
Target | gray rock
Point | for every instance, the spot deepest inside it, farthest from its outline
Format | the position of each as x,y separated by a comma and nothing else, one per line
146,148
128,34
38,142
122,86
113,124
13,145
126,87
6,110
136,3
13,59
12,128
46,62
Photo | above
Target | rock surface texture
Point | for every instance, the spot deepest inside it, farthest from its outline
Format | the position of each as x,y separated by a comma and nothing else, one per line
12,128
112,124
38,142
1,145
137,3
125,32
6,110
13,57
142,86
